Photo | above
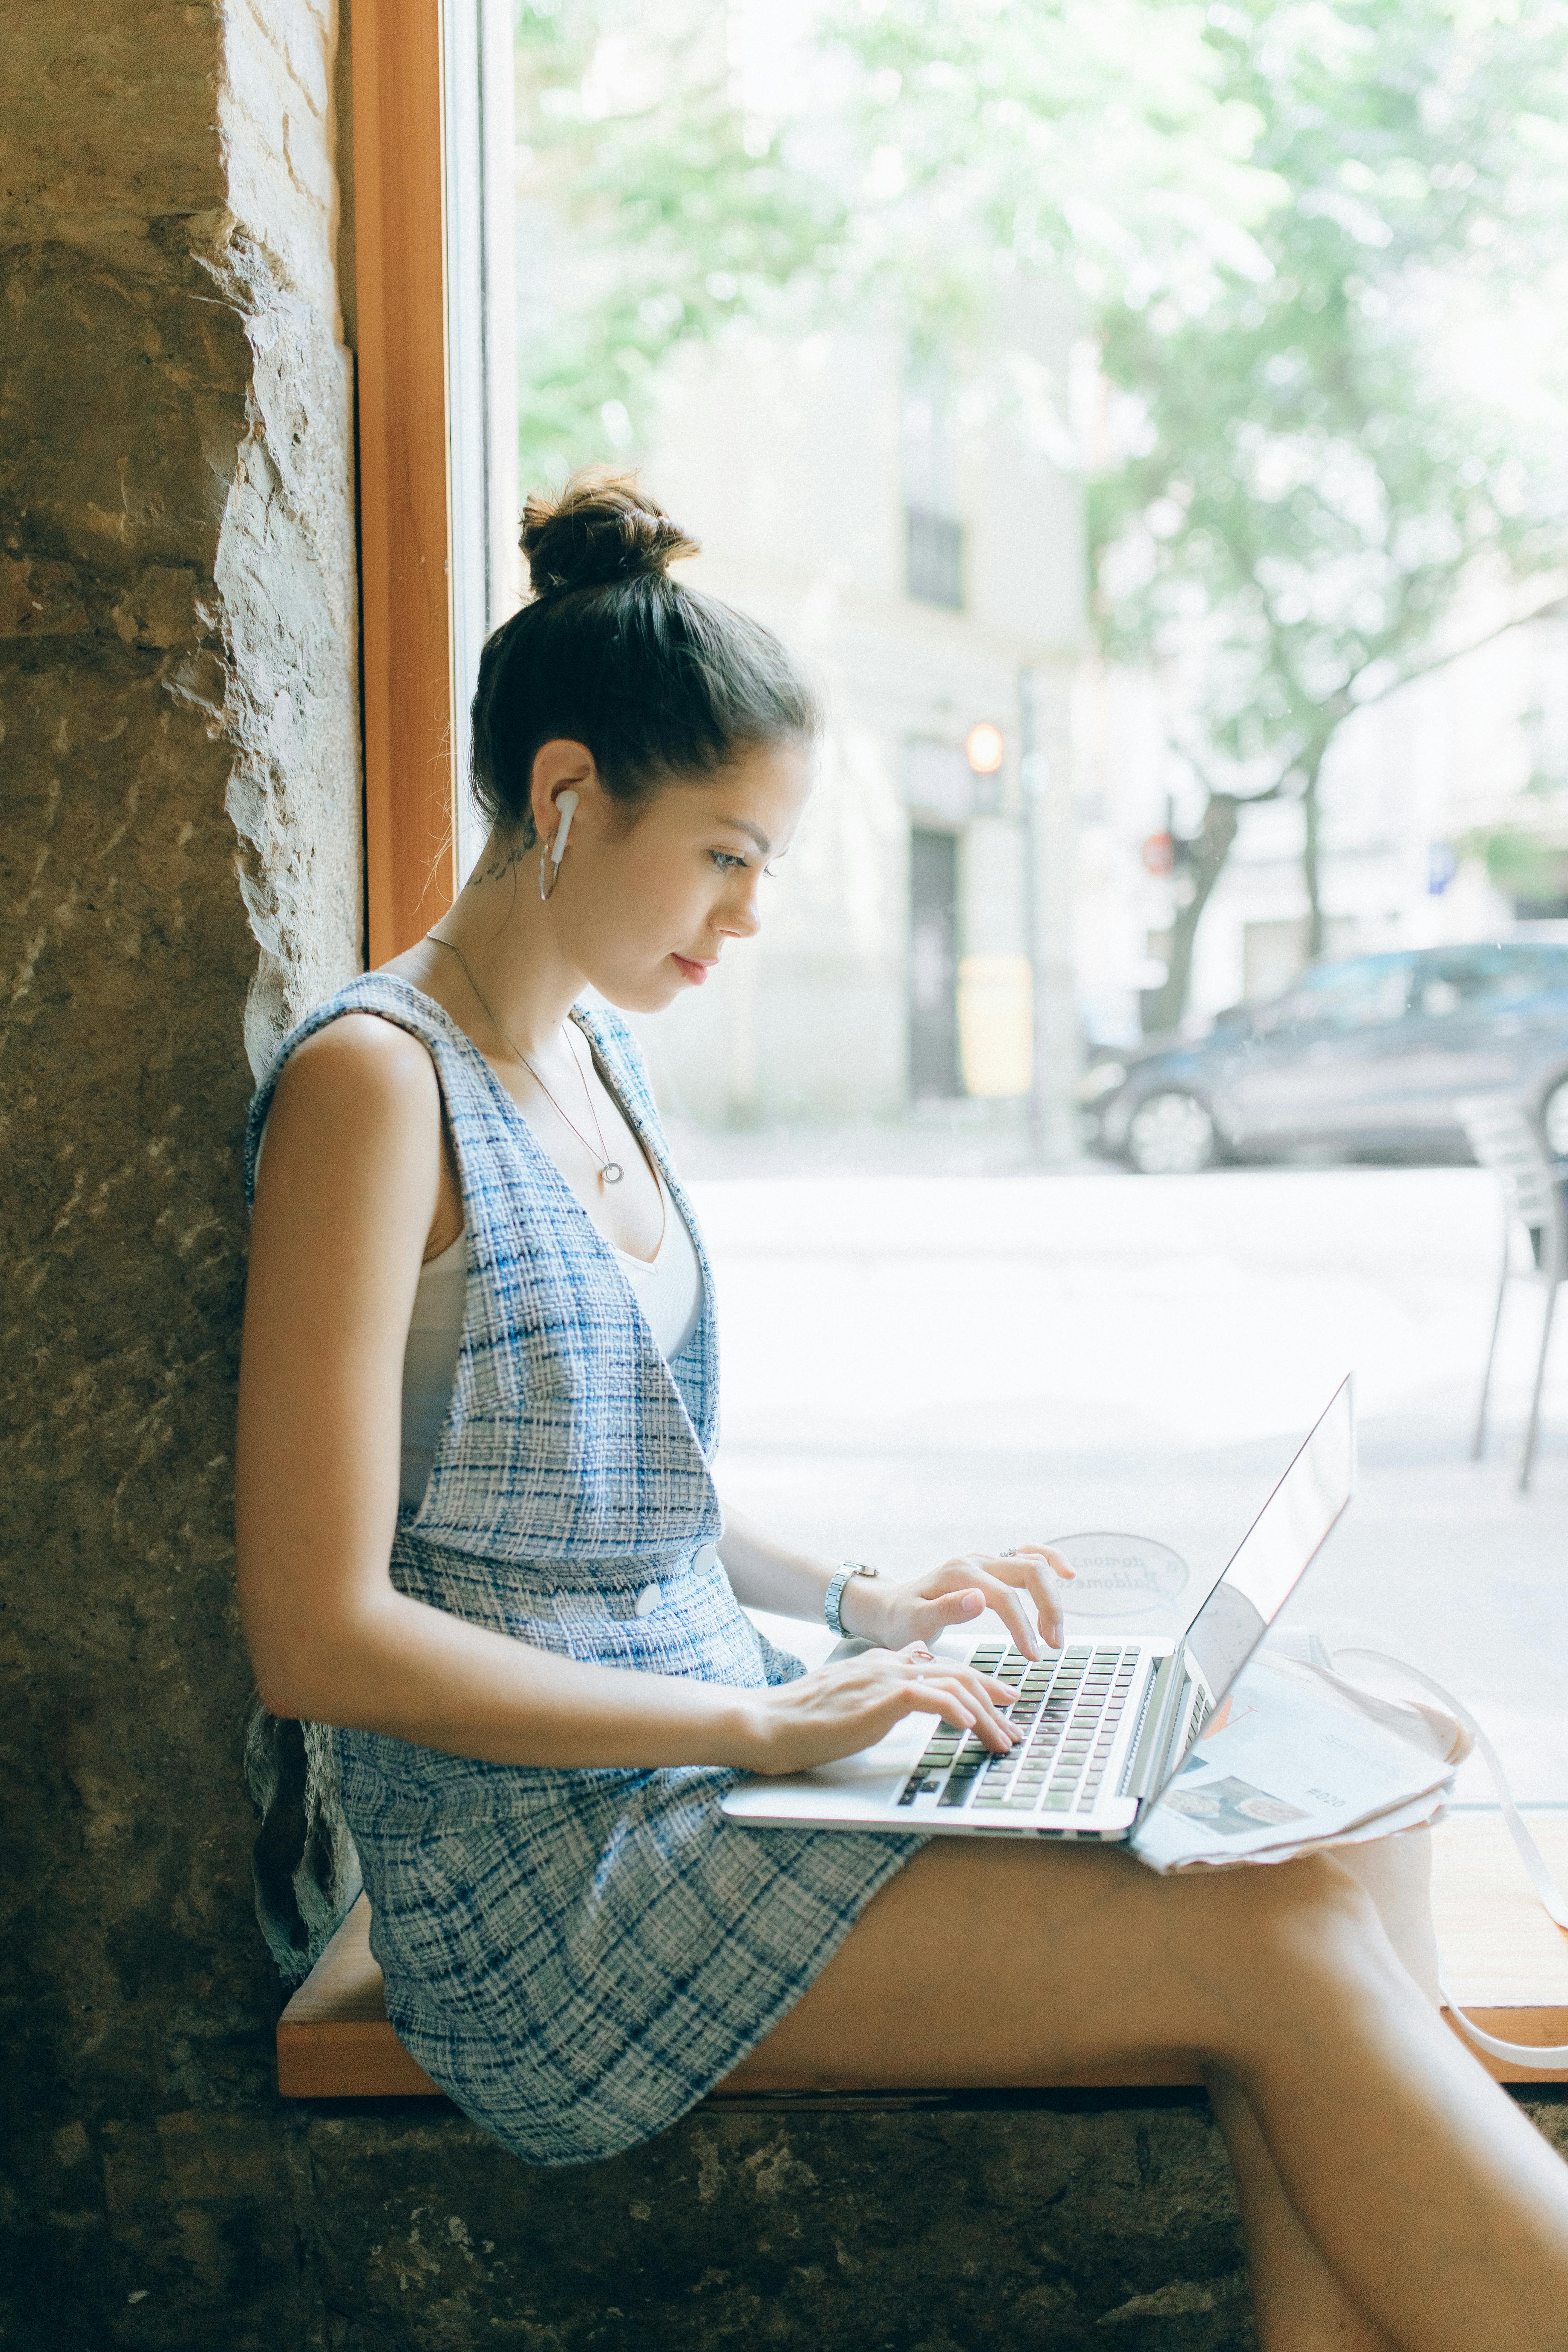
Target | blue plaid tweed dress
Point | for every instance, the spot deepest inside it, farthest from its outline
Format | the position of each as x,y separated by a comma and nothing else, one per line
576,1956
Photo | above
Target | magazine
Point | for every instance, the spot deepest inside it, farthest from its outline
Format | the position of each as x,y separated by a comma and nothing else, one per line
1296,1758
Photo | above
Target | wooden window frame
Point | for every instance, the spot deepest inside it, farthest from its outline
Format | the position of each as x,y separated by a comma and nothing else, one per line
437,499
405,627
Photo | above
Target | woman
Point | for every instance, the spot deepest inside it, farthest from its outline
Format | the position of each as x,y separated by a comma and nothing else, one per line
478,1535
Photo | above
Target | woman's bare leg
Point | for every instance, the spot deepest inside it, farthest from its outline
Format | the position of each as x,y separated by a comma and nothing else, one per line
1297,2301
1299,2304
1423,2186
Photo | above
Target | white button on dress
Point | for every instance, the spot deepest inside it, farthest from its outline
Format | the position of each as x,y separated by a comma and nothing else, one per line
647,1600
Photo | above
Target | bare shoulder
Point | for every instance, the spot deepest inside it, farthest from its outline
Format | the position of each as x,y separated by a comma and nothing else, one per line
361,1089
362,1064
352,1191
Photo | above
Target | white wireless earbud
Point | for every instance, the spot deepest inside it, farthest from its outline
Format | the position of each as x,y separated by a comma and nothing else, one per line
553,852
567,805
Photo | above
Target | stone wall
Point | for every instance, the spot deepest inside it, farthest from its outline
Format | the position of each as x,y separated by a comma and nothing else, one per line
181,872
1073,2224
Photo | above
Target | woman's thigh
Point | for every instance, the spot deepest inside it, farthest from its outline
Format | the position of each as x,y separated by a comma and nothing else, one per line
1013,1963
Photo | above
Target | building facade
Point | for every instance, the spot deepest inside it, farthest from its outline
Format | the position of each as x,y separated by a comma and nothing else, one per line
922,565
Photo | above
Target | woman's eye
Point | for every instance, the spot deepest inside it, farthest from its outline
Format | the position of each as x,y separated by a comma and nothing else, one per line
726,861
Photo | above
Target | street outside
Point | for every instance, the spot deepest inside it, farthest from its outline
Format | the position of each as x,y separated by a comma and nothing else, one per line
920,1364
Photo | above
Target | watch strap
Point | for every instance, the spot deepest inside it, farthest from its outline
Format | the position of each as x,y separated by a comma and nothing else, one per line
834,1594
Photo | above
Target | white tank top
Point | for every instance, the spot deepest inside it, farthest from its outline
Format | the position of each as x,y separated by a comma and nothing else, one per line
668,1289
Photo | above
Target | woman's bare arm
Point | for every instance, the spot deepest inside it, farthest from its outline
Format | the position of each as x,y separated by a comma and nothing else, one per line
351,1187
767,1574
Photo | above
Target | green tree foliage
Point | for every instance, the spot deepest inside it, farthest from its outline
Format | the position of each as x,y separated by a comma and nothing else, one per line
1324,464
1310,238
1090,142
904,163
658,210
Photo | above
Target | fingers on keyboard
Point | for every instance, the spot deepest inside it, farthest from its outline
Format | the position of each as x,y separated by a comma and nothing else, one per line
1069,1710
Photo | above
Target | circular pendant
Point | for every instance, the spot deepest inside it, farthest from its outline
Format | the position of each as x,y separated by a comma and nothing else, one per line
609,1174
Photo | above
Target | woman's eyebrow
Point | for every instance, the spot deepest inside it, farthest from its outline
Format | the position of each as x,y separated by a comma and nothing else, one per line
755,831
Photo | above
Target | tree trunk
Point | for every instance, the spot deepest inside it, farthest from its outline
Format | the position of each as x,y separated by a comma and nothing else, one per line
1046,774
1208,851
1311,855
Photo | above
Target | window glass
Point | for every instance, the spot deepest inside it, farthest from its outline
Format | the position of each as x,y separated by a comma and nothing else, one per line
1356,995
799,267
1475,977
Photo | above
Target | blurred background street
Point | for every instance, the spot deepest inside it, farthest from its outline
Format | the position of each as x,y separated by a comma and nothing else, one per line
917,1364
1173,520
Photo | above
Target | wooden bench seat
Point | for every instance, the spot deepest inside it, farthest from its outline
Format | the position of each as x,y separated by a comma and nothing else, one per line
1504,1959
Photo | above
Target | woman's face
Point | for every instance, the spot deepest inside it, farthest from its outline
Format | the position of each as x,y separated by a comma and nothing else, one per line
645,909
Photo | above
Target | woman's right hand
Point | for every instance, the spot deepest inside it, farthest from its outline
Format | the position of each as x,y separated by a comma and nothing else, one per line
851,1704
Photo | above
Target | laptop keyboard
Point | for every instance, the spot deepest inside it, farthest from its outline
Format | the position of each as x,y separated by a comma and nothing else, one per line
1069,1710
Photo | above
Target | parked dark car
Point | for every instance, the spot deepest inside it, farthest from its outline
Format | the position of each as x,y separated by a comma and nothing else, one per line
1365,1057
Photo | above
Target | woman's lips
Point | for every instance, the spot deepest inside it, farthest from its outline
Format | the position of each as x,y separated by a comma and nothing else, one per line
694,972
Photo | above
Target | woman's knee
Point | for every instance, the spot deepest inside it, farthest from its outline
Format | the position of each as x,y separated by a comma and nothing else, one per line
1316,1889
1312,1909
1284,1938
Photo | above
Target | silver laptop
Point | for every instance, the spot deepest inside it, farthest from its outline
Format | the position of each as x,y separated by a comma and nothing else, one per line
1106,1723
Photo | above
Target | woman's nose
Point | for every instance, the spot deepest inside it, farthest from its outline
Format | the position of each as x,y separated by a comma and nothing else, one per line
741,916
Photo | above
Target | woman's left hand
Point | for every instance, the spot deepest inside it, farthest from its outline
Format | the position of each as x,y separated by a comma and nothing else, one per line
896,1614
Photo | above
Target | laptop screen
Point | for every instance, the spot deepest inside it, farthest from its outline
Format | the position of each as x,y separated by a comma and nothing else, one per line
1277,1549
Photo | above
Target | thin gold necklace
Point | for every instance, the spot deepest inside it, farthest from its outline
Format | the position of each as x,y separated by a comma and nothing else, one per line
610,1171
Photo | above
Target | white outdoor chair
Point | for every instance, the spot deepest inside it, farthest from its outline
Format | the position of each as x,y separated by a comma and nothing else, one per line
1505,1139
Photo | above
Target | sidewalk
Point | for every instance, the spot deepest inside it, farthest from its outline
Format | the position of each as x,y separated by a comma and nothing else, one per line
917,1364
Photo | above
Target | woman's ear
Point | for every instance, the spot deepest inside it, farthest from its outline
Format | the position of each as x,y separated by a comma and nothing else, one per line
561,767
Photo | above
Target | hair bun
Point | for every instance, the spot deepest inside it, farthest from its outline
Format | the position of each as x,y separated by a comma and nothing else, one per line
600,527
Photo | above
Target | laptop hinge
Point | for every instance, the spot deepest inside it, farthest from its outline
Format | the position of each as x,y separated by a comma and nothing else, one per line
1159,1724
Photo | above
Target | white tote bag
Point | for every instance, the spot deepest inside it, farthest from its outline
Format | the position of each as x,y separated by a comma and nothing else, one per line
1397,1871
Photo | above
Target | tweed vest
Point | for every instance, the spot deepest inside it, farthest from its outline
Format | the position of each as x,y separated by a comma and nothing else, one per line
569,1446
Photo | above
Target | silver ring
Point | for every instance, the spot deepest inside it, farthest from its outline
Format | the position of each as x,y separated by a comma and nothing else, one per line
1011,1552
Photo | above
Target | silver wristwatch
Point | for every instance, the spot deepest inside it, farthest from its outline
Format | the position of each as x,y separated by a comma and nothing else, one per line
834,1594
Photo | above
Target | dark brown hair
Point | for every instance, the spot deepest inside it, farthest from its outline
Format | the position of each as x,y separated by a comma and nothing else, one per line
657,680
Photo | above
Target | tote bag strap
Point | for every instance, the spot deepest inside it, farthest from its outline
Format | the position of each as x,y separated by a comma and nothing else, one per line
1553,1900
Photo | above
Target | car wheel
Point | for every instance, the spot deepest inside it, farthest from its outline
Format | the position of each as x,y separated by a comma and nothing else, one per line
1171,1134
1554,1120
